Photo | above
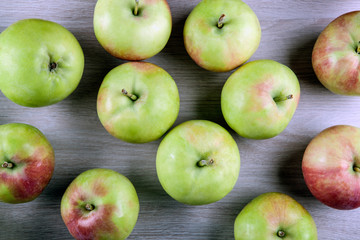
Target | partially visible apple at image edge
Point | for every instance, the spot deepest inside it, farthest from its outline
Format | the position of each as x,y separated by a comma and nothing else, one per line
41,62
27,162
132,29
100,204
331,167
336,55
274,215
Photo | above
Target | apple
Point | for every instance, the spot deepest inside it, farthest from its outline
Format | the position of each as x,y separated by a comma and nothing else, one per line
274,216
259,99
220,35
331,167
198,162
41,62
138,102
335,57
132,29
27,162
100,204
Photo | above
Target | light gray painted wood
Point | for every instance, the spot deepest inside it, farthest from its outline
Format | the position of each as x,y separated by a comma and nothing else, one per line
289,30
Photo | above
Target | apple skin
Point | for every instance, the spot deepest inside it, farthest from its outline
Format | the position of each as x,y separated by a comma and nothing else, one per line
33,161
180,151
248,99
335,57
27,50
221,49
147,118
331,167
269,214
114,201
132,37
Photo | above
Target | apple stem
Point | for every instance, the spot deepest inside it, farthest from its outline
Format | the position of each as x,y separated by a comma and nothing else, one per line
283,98
221,20
203,163
281,233
358,48
89,207
7,165
356,169
131,96
136,10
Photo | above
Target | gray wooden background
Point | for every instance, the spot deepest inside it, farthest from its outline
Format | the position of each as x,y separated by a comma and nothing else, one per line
289,31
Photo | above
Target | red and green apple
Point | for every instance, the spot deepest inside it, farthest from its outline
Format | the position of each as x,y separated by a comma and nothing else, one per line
220,35
41,62
260,98
198,162
138,102
336,55
331,167
27,162
274,216
132,29
100,204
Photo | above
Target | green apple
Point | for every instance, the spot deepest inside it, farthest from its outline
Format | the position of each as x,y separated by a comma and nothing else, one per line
41,62
220,35
27,162
335,57
198,162
138,102
132,29
259,99
274,216
100,204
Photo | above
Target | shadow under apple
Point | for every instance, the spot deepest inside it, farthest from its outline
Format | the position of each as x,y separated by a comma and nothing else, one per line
300,62
290,173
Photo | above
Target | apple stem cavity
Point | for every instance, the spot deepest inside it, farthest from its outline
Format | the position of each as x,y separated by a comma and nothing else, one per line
203,163
283,98
221,20
89,207
356,169
52,66
7,165
136,10
281,234
358,48
131,96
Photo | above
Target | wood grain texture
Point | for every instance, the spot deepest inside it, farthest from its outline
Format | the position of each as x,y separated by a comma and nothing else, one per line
289,31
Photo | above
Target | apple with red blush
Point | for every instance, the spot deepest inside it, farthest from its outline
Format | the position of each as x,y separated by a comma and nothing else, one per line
260,98
336,55
138,102
100,204
331,167
274,215
27,162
